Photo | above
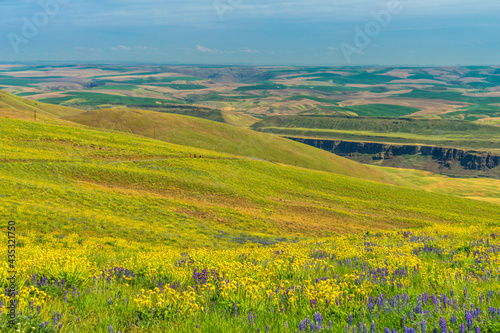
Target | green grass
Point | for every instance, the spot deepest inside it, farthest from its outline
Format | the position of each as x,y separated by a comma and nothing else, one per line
13,106
313,98
127,87
450,133
159,80
94,99
263,86
186,86
169,197
202,133
24,94
382,125
487,189
378,110
17,82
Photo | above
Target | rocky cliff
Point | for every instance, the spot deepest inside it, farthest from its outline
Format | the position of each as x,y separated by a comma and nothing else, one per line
468,160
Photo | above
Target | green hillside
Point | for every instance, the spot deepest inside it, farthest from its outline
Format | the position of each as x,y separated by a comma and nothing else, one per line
221,116
12,106
454,133
100,183
201,133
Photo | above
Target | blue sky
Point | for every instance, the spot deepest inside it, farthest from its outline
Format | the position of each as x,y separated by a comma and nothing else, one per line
261,32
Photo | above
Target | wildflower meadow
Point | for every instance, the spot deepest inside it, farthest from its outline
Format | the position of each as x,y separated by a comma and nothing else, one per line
441,278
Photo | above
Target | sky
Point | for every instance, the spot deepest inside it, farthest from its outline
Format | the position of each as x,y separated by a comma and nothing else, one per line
252,32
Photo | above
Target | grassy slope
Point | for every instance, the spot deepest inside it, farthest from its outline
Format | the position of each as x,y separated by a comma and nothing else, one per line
201,133
238,119
454,133
184,201
16,107
221,116
486,189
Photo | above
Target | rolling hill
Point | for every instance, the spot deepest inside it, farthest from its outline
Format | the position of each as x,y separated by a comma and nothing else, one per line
440,132
12,106
223,138
101,183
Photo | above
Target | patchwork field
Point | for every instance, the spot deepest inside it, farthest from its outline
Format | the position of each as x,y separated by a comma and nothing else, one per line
449,92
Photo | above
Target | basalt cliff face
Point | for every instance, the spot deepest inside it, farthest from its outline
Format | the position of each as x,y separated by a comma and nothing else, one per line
446,157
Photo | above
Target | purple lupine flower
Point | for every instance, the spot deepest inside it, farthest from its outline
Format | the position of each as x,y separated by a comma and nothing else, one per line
478,330
267,328
461,328
410,314
318,319
351,319
425,297
423,324
110,329
386,330
373,328
468,318
250,318
418,308
302,326
235,309
442,325
370,306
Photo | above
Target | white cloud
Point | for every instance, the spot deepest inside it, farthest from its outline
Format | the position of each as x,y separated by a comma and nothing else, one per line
249,50
205,49
332,50
121,48
87,50
133,49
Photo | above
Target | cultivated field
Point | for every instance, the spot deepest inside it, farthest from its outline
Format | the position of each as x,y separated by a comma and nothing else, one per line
469,93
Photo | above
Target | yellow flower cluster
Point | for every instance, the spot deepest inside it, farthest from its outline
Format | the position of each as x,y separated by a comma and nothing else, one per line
166,281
